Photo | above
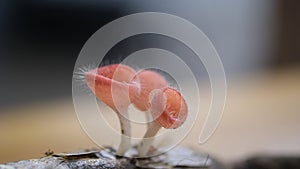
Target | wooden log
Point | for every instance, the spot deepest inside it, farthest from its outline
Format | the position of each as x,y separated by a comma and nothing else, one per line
105,159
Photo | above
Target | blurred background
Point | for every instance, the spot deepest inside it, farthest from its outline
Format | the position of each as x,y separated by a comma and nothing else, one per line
258,42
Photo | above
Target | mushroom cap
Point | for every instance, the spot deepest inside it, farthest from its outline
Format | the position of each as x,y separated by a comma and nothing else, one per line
111,84
147,81
168,107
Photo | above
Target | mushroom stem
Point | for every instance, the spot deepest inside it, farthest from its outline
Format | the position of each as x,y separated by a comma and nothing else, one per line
125,133
144,146
149,119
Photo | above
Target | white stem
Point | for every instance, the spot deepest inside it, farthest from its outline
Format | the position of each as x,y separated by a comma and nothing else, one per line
149,119
143,147
126,133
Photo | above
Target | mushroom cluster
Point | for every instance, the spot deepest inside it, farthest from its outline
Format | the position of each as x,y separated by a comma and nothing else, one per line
147,90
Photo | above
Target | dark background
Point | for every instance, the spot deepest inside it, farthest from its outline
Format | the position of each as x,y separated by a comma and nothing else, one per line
40,40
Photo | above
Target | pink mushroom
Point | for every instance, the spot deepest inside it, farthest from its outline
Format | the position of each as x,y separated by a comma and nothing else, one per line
119,85
145,82
169,109
111,84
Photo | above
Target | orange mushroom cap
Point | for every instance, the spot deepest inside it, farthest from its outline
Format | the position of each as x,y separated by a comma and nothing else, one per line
105,80
168,107
146,81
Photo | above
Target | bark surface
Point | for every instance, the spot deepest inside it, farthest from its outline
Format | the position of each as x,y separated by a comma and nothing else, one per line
105,159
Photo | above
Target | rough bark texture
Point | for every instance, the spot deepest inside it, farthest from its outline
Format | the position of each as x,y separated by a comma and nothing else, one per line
105,159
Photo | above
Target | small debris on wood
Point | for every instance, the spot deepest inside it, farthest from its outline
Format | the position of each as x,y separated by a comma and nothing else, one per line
49,152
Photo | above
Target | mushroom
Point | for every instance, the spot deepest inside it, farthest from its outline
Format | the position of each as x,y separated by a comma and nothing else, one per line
118,86
111,84
144,82
169,109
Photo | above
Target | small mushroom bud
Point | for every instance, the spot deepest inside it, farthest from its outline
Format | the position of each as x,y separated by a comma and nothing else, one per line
169,109
111,84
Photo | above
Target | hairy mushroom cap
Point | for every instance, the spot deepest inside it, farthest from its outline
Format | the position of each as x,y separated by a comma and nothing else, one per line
168,107
147,81
110,84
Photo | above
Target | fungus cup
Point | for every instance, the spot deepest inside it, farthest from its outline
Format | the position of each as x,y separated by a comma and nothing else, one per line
111,84
145,82
169,109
